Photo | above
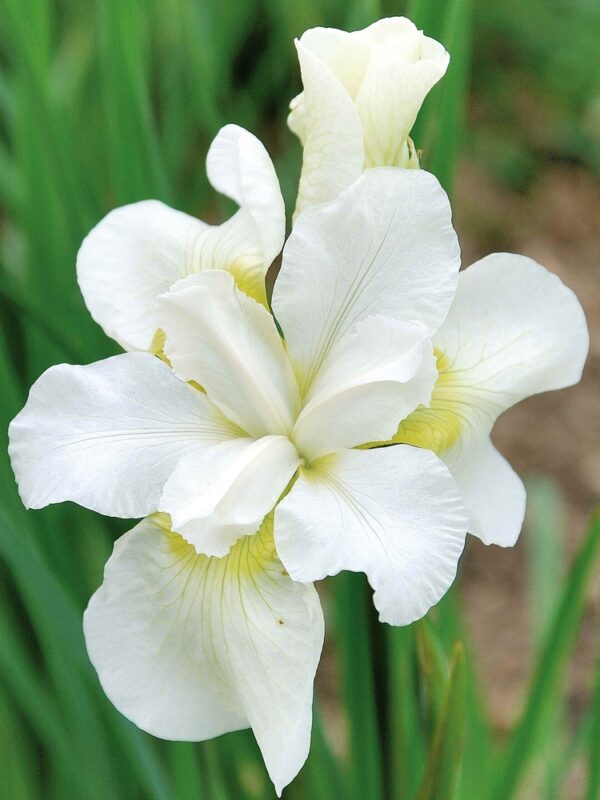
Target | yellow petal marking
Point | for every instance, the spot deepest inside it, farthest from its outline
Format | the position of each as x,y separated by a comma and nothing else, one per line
248,556
250,279
439,426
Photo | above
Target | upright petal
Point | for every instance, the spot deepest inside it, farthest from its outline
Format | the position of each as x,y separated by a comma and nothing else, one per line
216,496
189,647
328,124
239,167
385,246
362,93
390,96
394,513
138,251
228,343
109,434
374,377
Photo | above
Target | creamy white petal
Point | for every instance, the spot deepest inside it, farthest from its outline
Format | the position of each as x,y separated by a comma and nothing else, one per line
216,495
138,251
492,491
228,343
132,255
385,246
328,124
514,329
323,42
389,98
189,647
394,513
374,377
108,435
239,167
362,93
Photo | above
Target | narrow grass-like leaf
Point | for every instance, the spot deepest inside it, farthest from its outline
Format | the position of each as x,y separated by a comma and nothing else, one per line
545,540
406,754
593,755
434,665
19,770
442,771
545,544
444,137
323,777
58,626
550,668
353,601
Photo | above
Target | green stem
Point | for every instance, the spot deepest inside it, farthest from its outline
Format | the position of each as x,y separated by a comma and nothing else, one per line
353,600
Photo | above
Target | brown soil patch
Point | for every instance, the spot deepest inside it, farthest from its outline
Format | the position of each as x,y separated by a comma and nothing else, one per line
558,434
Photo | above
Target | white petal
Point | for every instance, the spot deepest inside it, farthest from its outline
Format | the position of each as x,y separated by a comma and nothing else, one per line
385,246
132,255
493,493
108,435
323,42
327,122
374,377
239,167
221,493
138,251
394,513
390,96
514,329
362,93
229,344
189,647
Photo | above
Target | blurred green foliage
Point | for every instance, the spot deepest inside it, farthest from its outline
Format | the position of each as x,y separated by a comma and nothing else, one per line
104,102
536,86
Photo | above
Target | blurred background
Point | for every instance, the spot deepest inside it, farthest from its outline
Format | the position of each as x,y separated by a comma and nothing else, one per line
104,102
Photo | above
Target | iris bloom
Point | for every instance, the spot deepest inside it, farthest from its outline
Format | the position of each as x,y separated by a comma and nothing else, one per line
248,446
362,92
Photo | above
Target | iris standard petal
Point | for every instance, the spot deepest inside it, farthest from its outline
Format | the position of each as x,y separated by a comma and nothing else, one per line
239,167
108,435
385,246
219,337
394,513
132,255
390,96
362,93
189,647
138,251
327,122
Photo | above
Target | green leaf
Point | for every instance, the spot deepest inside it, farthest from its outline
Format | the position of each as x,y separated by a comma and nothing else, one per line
434,665
442,771
406,749
445,124
593,760
550,670
353,606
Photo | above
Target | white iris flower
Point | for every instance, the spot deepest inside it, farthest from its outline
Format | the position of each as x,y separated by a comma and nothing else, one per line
362,93
244,449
